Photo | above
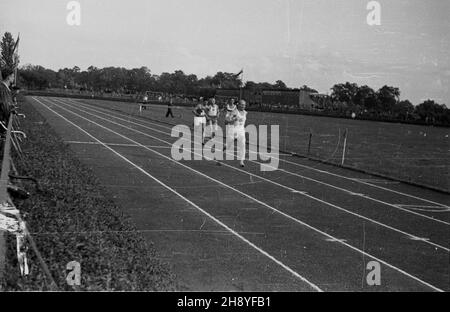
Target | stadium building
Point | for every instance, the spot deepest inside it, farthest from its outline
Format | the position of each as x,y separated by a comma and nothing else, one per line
294,98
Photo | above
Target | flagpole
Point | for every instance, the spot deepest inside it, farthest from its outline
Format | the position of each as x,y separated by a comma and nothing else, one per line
15,74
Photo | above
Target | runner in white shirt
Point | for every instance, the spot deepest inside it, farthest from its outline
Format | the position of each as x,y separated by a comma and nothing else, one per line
230,106
230,112
239,130
212,116
235,122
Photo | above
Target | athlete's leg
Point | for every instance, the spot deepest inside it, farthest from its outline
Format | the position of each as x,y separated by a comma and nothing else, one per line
241,145
208,128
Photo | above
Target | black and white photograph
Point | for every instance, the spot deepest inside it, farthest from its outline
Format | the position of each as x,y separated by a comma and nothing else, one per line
224,151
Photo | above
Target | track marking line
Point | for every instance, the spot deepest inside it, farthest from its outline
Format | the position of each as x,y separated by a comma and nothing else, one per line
379,181
357,194
286,161
113,144
281,185
362,182
275,183
312,285
299,192
250,197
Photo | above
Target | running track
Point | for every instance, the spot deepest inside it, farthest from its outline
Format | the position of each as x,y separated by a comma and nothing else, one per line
305,227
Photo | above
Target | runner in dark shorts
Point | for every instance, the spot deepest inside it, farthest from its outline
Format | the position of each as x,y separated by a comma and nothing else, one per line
200,118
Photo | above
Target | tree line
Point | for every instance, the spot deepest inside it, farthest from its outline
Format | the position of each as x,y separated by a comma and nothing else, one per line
136,80
345,98
385,104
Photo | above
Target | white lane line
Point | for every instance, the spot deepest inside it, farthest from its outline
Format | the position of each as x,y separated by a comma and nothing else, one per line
425,208
122,113
398,207
335,240
363,182
312,285
278,184
284,186
254,199
113,144
282,160
420,206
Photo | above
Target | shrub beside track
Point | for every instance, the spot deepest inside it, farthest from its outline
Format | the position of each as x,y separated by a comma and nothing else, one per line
72,219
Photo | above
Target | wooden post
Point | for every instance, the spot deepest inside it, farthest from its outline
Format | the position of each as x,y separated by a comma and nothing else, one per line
309,142
2,234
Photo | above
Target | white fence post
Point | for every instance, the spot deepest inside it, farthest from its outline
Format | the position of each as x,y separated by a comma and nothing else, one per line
345,146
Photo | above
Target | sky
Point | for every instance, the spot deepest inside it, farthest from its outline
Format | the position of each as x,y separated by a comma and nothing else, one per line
302,42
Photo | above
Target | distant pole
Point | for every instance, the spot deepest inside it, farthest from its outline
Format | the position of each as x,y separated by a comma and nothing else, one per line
345,146
309,142
15,74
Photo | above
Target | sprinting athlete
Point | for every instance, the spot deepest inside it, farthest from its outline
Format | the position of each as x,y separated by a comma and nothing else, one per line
200,119
230,106
212,116
230,118
239,130
230,110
